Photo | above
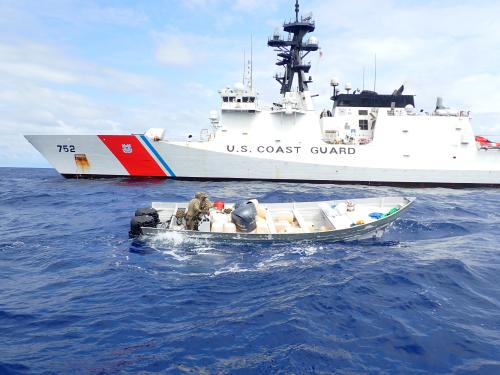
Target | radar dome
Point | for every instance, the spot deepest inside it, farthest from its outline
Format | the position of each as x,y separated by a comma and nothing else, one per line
334,81
312,40
307,17
239,86
409,108
348,86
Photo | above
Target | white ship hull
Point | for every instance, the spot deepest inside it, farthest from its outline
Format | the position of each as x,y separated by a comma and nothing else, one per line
135,155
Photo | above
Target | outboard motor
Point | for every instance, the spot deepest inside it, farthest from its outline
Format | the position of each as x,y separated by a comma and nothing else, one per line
138,222
244,216
148,211
144,217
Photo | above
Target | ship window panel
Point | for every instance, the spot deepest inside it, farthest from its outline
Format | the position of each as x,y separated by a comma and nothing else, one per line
231,99
245,99
367,99
225,99
363,112
251,99
363,124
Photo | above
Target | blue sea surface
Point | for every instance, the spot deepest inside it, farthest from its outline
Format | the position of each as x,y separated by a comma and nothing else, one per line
78,296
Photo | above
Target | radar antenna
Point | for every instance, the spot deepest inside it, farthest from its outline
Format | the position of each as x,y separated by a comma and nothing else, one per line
248,67
251,63
293,50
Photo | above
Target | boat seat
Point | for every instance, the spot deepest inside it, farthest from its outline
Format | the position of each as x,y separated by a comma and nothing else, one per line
300,219
270,222
338,222
173,219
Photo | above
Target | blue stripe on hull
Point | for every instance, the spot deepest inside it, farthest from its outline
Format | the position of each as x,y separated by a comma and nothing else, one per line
157,155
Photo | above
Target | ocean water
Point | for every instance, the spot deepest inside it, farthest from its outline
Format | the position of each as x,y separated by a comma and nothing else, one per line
78,296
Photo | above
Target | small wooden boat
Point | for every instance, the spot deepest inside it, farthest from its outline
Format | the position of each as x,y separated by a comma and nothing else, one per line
336,220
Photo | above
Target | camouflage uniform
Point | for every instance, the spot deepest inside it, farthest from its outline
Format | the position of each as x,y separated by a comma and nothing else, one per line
205,205
199,205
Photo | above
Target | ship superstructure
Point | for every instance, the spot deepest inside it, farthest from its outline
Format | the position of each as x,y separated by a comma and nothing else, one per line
365,137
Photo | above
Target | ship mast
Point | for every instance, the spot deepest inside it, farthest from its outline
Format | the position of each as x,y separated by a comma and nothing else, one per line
292,51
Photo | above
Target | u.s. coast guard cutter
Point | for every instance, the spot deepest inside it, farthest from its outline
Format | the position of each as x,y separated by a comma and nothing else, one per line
365,138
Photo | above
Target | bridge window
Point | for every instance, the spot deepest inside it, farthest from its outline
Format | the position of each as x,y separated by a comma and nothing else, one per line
363,124
363,112
245,99
225,99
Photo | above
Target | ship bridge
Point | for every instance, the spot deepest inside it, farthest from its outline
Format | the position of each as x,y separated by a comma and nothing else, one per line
239,99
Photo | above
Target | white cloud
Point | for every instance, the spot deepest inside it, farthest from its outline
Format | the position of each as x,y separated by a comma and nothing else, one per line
44,95
33,71
443,50
29,61
74,12
114,15
486,96
264,6
174,51
252,5
199,52
195,4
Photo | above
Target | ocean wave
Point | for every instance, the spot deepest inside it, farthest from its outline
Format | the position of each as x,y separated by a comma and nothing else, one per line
420,299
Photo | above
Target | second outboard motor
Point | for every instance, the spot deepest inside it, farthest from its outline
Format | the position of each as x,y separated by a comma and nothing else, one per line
138,222
244,217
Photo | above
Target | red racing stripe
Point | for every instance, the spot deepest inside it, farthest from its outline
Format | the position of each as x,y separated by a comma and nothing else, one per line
132,154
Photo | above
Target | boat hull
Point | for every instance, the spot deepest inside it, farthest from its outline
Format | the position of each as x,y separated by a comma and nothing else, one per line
137,156
373,229
356,233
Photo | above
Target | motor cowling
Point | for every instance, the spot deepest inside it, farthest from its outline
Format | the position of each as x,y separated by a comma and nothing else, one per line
148,211
244,217
139,222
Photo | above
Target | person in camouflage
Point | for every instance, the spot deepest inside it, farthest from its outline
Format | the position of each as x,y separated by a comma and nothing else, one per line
205,204
198,206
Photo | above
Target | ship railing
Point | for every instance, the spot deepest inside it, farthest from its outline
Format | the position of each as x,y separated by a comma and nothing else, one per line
447,112
305,20
205,136
440,113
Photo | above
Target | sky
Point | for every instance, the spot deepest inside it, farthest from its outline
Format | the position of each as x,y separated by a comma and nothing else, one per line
113,67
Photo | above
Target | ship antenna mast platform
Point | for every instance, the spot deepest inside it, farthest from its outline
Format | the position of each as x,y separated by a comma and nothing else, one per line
293,50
